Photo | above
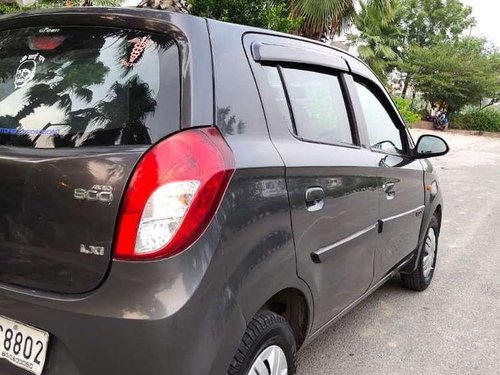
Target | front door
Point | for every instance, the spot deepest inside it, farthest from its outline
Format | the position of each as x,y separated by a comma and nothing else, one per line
401,187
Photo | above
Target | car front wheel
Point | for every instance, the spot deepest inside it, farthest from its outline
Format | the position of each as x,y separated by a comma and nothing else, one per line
421,278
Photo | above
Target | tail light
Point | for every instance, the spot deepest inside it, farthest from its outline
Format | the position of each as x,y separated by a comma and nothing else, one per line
173,194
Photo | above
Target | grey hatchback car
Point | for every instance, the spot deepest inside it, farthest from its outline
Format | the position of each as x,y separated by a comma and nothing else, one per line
181,196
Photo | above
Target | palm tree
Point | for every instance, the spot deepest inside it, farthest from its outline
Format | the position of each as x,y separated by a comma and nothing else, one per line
72,72
64,76
118,118
377,41
121,116
326,18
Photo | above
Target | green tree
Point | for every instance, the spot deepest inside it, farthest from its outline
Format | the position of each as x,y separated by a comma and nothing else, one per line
378,41
427,23
268,14
455,73
10,6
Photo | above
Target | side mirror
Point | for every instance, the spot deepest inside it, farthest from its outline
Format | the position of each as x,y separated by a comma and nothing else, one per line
429,146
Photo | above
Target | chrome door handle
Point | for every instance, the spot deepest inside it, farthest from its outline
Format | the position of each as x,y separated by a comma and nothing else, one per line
315,198
389,190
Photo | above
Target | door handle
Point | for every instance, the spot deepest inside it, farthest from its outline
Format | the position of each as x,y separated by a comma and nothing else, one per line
389,189
315,198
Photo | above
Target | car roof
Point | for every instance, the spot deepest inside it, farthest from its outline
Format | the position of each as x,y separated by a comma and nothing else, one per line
145,12
108,13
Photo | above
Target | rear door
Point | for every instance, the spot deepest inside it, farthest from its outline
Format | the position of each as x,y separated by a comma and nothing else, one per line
331,180
78,108
401,190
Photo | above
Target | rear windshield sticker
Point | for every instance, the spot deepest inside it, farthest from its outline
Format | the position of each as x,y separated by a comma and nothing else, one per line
48,30
140,45
26,70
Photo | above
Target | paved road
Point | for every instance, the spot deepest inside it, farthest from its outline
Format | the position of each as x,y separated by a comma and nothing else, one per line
454,326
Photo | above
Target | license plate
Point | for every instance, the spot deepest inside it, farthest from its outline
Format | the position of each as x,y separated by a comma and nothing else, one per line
22,345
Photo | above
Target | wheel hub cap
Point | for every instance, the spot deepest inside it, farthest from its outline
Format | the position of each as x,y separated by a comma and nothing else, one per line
429,252
272,361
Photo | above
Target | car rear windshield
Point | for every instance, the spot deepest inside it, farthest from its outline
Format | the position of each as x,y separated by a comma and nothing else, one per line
83,86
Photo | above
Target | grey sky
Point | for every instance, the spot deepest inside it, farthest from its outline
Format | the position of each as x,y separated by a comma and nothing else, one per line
487,14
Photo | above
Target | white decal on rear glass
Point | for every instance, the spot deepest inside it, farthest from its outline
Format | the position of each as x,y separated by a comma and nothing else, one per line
26,70
48,30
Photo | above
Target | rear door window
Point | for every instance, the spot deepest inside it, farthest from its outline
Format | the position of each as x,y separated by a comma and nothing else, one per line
318,106
83,86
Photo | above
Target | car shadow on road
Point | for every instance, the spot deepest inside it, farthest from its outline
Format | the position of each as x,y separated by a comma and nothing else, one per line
347,337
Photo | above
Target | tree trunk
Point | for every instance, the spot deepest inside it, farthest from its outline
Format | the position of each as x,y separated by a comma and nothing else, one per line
492,102
413,99
405,86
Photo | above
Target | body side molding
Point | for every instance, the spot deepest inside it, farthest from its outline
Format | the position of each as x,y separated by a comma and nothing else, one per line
321,254
415,210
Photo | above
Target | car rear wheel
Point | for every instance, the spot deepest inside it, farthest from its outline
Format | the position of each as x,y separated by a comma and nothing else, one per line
268,347
421,278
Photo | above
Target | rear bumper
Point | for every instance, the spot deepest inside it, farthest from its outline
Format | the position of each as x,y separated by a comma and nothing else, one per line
163,317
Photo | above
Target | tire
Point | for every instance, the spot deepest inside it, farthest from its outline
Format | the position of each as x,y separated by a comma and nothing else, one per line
421,278
267,333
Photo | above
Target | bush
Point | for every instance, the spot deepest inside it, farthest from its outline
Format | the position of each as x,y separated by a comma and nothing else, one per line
487,119
408,114
8,8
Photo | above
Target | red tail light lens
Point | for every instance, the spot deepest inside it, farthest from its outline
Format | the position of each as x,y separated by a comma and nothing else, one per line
173,194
